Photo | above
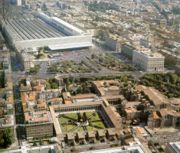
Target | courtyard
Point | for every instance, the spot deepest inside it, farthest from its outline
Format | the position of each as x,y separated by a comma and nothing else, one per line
79,122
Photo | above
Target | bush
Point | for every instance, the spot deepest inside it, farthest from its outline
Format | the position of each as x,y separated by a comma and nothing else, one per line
6,137
34,70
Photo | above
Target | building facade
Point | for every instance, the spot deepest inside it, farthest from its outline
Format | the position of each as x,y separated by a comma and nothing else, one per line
127,50
148,61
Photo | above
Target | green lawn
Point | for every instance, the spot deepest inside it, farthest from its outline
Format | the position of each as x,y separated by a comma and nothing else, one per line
68,122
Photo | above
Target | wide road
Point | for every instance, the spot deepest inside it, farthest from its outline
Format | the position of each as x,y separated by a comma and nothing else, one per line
18,75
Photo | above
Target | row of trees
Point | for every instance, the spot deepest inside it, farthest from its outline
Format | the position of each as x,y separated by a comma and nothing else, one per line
34,69
52,84
102,6
168,83
6,138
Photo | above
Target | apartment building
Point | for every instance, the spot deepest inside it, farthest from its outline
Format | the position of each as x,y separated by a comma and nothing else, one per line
35,100
38,124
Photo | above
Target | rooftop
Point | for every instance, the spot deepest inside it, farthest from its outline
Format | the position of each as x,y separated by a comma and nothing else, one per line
165,112
107,87
68,25
150,54
133,148
35,117
154,95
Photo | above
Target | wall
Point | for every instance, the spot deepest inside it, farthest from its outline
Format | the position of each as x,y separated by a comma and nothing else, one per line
73,40
39,130
127,50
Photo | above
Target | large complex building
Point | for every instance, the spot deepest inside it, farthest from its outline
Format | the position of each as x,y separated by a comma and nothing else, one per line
85,122
158,100
148,61
165,114
42,30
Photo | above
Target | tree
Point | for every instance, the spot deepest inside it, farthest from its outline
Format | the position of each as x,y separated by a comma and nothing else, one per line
6,137
54,84
34,69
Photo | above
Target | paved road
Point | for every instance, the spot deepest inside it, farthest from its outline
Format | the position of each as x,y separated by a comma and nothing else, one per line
18,75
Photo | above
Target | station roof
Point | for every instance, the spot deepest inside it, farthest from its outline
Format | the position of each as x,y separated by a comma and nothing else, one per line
69,46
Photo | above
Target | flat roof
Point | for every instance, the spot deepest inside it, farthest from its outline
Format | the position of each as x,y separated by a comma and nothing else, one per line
31,29
150,54
175,146
68,25
154,95
134,148
106,87
69,46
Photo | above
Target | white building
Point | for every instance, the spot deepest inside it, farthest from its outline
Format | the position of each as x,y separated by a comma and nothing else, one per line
28,61
173,147
148,61
18,2
43,30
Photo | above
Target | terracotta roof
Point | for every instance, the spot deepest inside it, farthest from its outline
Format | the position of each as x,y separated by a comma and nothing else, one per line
40,116
115,120
55,99
41,105
175,101
67,102
165,112
154,95
28,96
106,86
155,116
130,110
66,95
84,96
